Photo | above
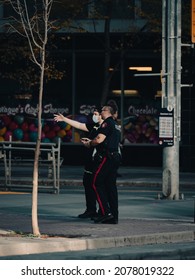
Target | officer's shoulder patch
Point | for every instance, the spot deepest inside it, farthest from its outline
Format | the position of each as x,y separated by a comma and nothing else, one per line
104,124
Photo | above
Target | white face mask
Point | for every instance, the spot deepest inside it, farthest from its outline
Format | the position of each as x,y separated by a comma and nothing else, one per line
95,118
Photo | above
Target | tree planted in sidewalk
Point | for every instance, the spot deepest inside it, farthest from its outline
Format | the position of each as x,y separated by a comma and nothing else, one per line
31,19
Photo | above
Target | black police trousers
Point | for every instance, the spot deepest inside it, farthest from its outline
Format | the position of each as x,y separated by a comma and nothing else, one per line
104,183
90,195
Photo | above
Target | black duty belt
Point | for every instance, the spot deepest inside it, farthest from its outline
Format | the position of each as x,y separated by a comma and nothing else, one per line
113,153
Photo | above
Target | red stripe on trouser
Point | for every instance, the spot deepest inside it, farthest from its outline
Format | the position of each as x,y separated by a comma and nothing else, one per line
94,186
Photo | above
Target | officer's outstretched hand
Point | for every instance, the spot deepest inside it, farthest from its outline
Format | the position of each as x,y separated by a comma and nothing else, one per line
58,118
86,142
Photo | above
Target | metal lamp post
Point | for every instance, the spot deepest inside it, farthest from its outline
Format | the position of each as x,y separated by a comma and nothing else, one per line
171,92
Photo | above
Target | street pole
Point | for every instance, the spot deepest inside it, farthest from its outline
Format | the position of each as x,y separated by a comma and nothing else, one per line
171,92
122,94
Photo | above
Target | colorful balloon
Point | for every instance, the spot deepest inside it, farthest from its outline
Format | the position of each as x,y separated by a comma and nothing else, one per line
56,128
68,127
62,125
32,127
24,126
50,134
42,135
7,135
18,134
33,136
3,131
7,120
19,119
26,137
46,128
61,133
46,140
76,137
13,125
69,133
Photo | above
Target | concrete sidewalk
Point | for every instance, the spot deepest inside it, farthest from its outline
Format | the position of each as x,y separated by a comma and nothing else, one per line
146,224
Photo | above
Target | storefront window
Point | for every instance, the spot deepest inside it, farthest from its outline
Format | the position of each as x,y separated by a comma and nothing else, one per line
80,90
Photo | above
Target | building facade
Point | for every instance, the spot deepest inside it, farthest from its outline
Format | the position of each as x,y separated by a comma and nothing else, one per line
100,53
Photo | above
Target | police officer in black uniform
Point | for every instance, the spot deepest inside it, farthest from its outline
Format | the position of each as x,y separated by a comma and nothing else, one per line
106,163
92,129
91,209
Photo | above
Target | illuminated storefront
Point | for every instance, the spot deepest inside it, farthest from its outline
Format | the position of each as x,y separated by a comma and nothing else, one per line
82,53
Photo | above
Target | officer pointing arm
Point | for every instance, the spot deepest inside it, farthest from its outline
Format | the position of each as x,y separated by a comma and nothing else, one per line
76,124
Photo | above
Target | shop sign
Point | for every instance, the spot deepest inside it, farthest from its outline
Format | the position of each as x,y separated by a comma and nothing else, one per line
29,109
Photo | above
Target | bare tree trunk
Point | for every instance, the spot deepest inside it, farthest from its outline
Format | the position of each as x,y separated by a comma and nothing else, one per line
35,226
36,31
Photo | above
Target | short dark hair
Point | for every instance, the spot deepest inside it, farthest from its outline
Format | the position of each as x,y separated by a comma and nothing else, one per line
114,106
111,110
98,109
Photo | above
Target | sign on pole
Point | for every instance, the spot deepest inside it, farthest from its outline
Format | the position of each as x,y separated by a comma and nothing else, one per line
166,128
